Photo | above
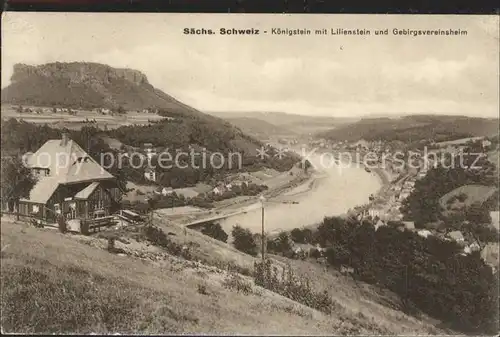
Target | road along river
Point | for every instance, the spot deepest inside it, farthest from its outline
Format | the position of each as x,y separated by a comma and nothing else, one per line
333,191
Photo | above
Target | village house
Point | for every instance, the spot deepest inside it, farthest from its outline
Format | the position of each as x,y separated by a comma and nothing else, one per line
380,223
473,247
424,233
149,150
409,184
456,236
362,145
486,143
69,183
405,193
166,191
150,174
409,225
219,190
495,219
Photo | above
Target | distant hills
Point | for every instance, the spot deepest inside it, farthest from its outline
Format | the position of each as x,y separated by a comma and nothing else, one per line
260,128
414,128
283,122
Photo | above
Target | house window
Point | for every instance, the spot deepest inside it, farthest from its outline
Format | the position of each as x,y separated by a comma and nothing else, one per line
99,203
35,209
57,208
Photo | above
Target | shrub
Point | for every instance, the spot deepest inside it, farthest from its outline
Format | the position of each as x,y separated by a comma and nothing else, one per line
215,231
202,289
236,282
301,235
244,240
290,285
314,253
283,244
443,283
158,238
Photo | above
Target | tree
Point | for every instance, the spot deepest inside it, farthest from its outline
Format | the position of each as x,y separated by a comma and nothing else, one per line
297,235
301,235
17,181
283,243
477,214
244,240
152,204
215,231
121,110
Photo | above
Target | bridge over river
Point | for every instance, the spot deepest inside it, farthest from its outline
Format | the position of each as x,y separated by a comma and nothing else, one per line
200,222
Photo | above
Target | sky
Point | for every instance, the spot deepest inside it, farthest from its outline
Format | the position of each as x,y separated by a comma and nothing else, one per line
310,75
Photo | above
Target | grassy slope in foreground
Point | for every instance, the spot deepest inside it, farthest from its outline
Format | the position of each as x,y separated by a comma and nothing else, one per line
56,283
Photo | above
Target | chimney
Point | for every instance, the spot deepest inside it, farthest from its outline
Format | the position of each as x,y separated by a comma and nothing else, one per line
64,139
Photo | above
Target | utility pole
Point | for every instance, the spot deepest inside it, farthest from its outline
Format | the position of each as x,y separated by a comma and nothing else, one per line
262,200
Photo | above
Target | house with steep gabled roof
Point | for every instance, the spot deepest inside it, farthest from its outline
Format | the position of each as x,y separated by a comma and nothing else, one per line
70,183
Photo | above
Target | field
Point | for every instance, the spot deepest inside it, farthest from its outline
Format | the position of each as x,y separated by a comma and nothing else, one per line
82,117
70,283
459,141
474,193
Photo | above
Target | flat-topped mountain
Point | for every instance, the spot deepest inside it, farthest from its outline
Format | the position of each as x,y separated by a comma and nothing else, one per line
87,85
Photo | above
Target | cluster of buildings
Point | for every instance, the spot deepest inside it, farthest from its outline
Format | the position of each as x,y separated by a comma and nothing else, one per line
223,187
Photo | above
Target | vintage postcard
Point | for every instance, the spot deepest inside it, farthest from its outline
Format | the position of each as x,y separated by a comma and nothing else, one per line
249,174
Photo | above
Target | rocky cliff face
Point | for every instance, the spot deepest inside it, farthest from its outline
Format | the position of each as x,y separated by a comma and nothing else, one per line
78,72
86,85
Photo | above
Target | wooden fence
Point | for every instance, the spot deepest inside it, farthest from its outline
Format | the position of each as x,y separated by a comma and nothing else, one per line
93,225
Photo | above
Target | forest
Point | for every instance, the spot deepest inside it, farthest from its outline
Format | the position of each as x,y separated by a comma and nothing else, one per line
429,275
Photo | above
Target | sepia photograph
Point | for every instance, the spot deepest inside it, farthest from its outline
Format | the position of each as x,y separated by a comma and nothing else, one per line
249,174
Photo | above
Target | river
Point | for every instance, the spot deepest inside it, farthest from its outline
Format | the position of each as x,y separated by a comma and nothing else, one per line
335,190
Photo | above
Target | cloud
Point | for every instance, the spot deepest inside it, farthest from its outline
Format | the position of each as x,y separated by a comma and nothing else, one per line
429,71
296,74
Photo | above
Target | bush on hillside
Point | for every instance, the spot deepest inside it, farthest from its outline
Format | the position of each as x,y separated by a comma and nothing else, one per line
292,286
244,240
158,238
461,290
236,282
215,231
301,235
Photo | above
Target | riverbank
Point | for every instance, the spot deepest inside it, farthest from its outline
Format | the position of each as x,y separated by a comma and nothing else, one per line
329,191
384,176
